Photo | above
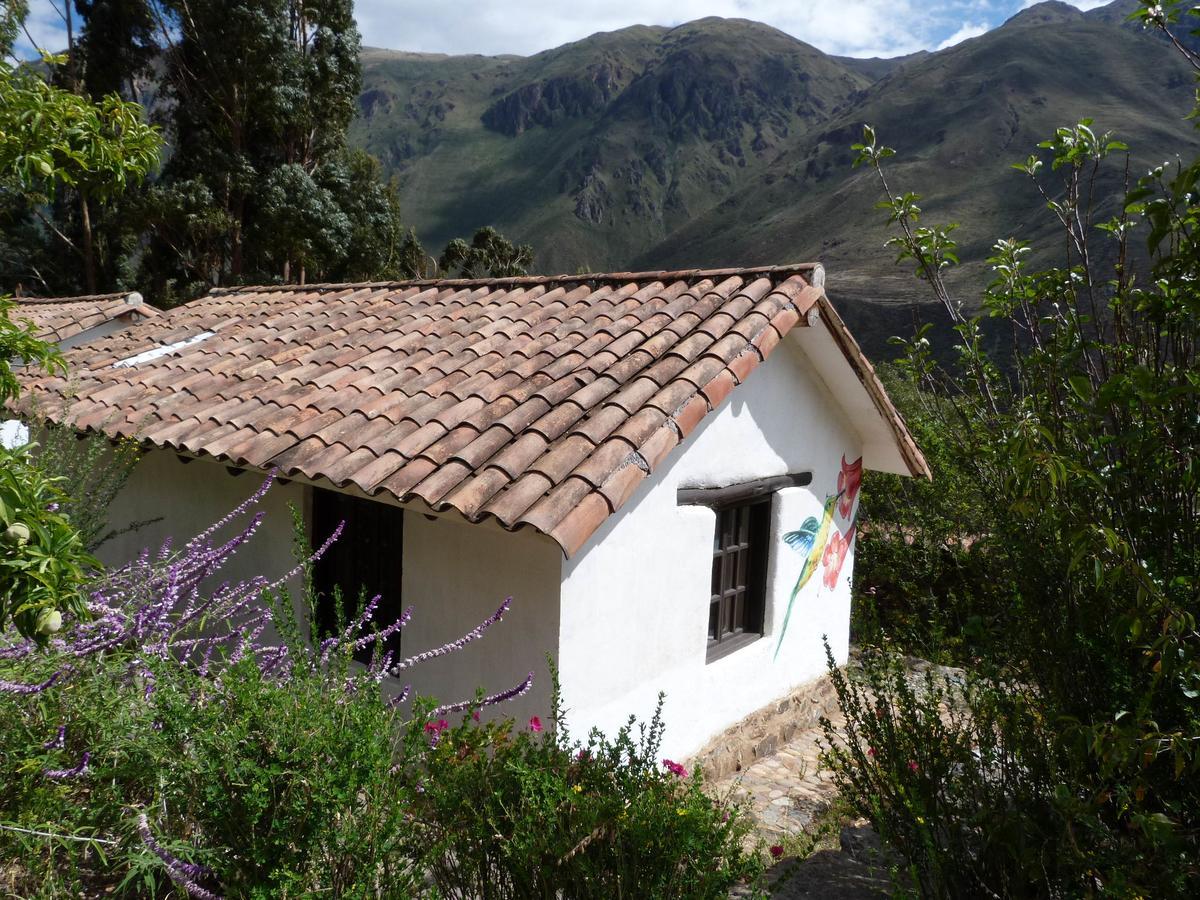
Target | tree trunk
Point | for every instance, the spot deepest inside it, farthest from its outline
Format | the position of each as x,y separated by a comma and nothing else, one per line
89,258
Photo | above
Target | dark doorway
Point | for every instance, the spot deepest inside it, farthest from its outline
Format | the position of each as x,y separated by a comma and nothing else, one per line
366,560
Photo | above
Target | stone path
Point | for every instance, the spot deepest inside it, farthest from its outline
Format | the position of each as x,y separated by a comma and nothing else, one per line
787,790
786,793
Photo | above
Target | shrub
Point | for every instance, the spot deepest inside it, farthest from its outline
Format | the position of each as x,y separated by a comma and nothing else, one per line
923,577
1079,726
551,817
959,775
182,735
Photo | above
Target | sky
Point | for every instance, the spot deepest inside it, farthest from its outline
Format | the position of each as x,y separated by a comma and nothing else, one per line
843,27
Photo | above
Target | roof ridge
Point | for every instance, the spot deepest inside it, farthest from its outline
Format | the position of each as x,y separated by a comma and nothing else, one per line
82,298
815,269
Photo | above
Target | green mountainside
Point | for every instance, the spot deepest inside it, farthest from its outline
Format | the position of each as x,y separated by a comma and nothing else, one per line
726,142
599,149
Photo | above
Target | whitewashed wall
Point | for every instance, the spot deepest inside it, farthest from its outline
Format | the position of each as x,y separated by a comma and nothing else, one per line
186,499
635,599
455,575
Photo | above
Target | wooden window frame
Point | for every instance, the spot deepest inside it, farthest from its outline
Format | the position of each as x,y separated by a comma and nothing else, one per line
738,586
757,498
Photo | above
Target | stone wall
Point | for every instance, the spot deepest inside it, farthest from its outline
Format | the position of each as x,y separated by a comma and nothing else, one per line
764,731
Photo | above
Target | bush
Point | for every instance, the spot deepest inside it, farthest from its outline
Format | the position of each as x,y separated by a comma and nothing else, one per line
177,735
960,776
1071,765
923,577
549,817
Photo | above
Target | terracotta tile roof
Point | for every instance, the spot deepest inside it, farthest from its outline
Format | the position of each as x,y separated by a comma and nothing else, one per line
536,401
57,319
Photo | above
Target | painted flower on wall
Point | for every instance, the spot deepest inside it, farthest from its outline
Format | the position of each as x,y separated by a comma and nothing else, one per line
820,542
836,550
849,481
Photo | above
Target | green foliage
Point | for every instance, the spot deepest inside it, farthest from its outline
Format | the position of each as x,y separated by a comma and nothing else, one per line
489,255
304,790
959,777
281,790
42,555
12,14
18,344
51,137
261,186
922,575
90,472
42,559
550,817
1082,537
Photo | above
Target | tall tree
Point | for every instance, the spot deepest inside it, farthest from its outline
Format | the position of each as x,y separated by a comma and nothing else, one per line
118,45
489,255
52,138
261,184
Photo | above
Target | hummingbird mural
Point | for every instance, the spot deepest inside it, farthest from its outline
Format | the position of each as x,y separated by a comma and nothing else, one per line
810,539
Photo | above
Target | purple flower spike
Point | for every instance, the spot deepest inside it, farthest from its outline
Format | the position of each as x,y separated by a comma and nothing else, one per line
60,774
501,697
182,873
13,687
471,635
58,741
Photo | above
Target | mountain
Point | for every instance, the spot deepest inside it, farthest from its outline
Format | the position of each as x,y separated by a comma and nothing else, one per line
724,141
958,119
596,150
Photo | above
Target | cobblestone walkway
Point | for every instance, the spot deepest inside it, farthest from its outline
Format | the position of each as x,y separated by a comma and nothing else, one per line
787,790
785,793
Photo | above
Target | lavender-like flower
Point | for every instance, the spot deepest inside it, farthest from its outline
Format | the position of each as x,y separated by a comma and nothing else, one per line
15,687
450,647
61,774
58,741
182,873
501,697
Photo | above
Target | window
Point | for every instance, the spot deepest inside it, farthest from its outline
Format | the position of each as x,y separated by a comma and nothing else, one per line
739,575
363,562
738,599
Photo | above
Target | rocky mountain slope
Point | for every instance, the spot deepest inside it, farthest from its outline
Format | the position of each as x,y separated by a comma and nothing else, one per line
727,142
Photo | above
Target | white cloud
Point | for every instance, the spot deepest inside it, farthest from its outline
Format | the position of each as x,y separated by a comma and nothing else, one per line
848,27
1084,5
968,31
858,27
45,26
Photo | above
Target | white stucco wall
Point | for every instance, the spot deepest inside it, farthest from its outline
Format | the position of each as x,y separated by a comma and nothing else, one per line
187,498
635,599
455,575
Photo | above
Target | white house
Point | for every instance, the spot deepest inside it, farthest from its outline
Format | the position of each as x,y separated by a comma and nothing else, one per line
661,469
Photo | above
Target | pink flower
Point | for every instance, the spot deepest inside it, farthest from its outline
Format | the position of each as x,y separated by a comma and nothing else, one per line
475,715
675,768
436,727
871,752
835,554
849,481
912,766
776,851
535,724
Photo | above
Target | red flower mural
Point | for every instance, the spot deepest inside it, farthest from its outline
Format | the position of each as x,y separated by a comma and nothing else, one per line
849,481
835,554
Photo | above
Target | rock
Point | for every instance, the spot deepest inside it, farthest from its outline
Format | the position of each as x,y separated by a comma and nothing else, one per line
862,843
